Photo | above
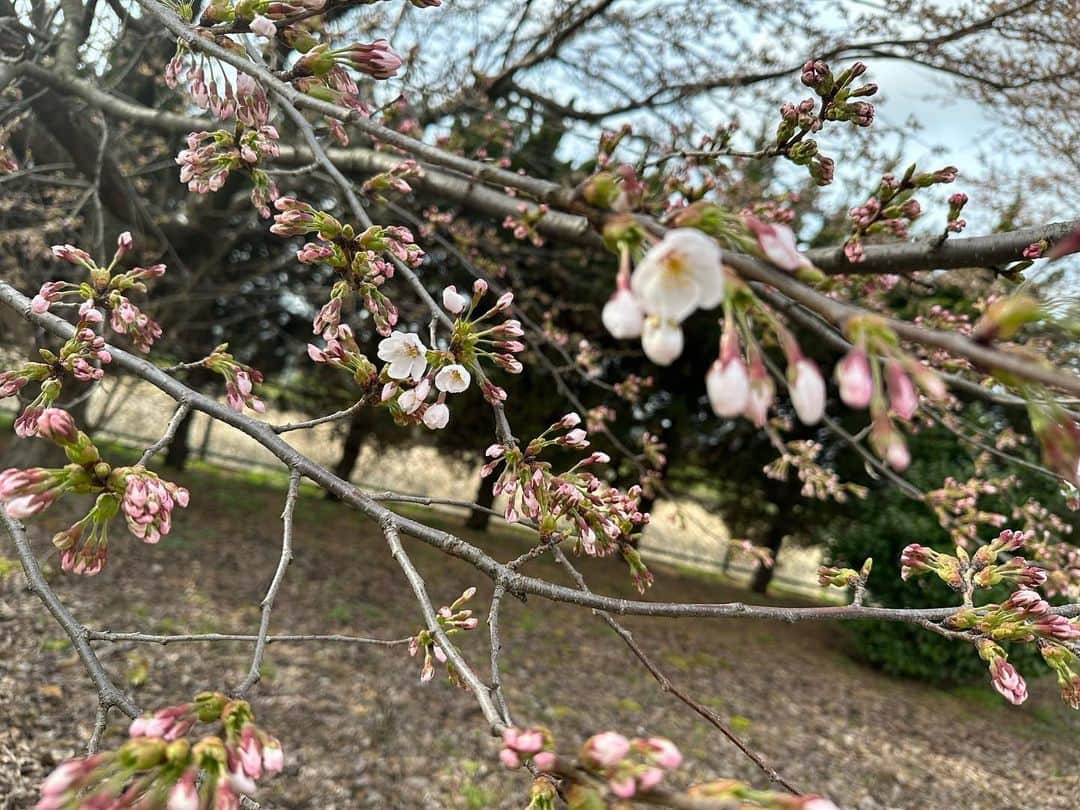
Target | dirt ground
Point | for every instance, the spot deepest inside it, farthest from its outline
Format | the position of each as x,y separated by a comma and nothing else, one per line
360,731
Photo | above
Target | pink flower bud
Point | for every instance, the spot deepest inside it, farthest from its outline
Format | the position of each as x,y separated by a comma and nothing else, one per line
1007,681
854,378
509,758
663,752
605,750
57,425
902,396
545,760
263,27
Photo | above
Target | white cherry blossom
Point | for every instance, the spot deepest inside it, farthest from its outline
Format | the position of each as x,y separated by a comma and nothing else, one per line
679,274
405,353
453,379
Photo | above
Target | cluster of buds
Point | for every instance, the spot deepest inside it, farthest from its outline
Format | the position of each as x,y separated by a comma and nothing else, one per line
363,261
472,340
394,180
1066,665
191,69
210,157
743,796
628,767
81,356
535,745
817,481
341,351
574,504
320,71
452,619
323,73
104,289
892,208
1023,617
240,379
737,386
146,500
523,226
840,101
956,506
377,60
158,766
846,578
964,572
876,354
633,386
954,224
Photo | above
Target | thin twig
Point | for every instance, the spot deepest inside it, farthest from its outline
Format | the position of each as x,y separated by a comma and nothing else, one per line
667,686
267,605
182,410
164,639
479,689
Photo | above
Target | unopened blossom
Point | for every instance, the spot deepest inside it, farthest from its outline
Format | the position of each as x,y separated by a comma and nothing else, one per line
453,379
727,382
777,243
902,397
1008,682
662,751
605,750
889,444
661,340
57,425
406,355
807,390
622,315
679,274
453,301
377,60
854,378
436,416
917,559
273,758
263,27
238,393
1054,626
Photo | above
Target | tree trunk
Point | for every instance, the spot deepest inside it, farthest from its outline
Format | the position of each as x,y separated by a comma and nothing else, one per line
176,455
478,519
350,451
773,540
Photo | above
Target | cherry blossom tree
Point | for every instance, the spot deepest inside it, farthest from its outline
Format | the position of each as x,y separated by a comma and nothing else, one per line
416,236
